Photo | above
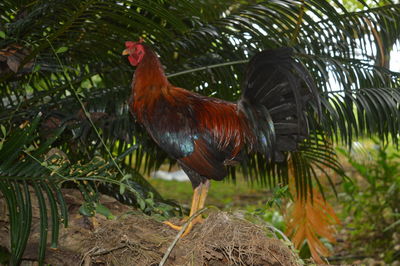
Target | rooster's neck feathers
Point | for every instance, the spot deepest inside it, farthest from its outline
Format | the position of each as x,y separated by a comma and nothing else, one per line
149,72
149,85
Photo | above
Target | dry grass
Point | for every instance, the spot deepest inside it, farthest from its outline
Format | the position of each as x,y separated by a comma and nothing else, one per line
136,239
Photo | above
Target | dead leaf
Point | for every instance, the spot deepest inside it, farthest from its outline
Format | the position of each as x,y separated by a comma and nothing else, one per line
14,55
13,63
310,221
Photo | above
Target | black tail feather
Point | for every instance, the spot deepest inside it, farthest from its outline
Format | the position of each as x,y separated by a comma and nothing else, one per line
276,95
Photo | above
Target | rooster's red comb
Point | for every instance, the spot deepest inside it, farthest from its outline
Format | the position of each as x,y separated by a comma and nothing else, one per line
130,43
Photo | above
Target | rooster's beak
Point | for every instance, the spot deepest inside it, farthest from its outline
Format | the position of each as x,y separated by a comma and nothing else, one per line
125,52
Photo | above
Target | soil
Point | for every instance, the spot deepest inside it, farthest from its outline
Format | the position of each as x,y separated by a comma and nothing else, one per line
133,238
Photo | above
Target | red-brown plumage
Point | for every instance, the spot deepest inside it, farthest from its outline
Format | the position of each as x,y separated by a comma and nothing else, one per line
148,84
225,121
207,134
222,122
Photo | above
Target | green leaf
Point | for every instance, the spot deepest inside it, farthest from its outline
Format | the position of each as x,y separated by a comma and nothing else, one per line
43,221
36,68
87,209
126,177
61,50
3,130
2,34
142,203
30,148
103,210
122,188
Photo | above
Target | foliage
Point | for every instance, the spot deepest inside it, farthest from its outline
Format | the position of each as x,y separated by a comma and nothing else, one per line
30,166
372,201
200,49
17,147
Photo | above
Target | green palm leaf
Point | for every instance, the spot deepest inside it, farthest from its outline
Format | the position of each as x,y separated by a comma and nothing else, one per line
15,179
28,166
201,53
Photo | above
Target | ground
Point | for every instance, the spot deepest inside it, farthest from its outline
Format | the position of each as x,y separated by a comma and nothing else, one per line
136,239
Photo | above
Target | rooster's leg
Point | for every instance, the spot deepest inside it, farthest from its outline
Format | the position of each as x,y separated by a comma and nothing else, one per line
202,200
193,210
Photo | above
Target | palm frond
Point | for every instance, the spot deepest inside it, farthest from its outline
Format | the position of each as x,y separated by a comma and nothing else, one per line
30,166
364,113
309,221
14,185
204,46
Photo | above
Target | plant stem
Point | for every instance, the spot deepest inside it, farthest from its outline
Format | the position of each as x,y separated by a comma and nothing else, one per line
48,168
178,236
208,67
87,114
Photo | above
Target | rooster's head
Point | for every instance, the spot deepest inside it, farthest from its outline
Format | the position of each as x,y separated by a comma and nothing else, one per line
135,52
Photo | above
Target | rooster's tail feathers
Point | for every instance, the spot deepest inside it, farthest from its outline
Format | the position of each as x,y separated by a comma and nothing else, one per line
276,94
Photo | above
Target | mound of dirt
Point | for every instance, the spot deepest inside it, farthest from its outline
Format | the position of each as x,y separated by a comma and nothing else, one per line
136,239
227,239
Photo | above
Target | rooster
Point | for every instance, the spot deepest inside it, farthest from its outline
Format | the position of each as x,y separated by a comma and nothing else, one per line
205,135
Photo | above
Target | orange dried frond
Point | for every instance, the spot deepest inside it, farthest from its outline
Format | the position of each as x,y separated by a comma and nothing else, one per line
298,236
317,248
309,221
